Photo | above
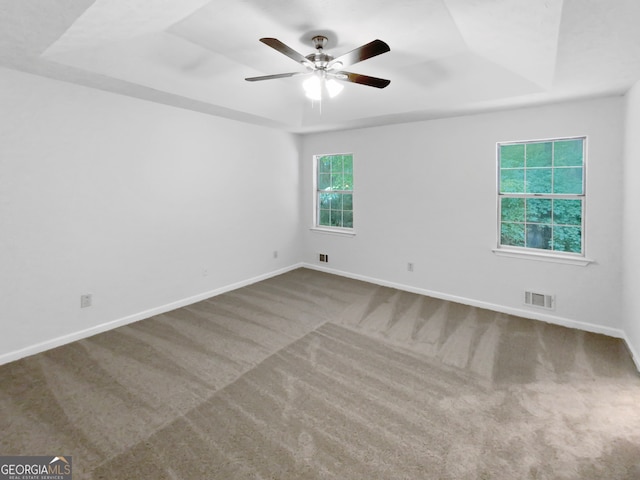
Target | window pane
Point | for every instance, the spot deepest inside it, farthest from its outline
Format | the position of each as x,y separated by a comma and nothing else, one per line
325,200
336,163
336,218
347,219
347,201
336,201
512,209
567,239
512,181
337,181
567,212
539,180
348,181
568,153
539,154
539,236
325,217
324,165
324,181
567,180
512,156
348,164
539,210
335,175
512,234
531,176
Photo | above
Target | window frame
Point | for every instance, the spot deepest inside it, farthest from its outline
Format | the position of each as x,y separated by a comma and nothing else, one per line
556,256
346,231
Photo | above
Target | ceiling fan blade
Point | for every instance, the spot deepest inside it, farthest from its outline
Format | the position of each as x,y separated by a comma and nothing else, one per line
364,52
288,51
362,79
277,75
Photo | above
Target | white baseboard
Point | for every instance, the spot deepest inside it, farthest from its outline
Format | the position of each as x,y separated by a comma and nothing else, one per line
103,327
634,353
553,319
79,335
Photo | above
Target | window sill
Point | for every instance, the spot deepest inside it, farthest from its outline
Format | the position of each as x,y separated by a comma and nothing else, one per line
543,257
334,231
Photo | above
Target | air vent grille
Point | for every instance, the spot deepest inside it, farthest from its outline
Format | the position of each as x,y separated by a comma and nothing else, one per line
540,300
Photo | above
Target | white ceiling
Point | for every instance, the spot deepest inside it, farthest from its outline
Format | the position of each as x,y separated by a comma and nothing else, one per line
447,56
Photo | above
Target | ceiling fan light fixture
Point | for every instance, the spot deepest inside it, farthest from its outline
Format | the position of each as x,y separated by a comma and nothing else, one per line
334,87
313,87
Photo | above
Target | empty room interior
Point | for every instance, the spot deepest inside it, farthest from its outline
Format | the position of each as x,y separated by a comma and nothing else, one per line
328,239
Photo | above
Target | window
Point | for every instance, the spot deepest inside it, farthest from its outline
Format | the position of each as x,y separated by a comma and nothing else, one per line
334,191
541,192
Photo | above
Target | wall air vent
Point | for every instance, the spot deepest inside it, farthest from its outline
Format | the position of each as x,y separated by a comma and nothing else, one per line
541,300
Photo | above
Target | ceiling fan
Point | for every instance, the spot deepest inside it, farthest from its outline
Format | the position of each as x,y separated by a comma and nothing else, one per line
324,69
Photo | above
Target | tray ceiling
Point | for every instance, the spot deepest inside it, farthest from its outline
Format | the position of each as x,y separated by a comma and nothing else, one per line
448,57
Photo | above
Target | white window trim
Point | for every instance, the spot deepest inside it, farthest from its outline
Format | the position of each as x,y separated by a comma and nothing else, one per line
345,232
580,259
543,256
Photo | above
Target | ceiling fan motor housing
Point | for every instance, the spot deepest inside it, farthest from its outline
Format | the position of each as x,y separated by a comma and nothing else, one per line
319,58
319,41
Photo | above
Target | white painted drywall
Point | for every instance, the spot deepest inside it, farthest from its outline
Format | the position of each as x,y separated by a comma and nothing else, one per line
140,204
146,206
426,193
631,232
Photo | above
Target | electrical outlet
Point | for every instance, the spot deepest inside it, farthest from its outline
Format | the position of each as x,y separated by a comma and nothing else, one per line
410,267
324,257
85,300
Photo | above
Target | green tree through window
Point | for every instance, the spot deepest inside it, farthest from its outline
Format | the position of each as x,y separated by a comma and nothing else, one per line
334,191
541,195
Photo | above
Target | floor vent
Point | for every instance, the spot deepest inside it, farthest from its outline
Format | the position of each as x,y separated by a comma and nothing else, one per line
541,300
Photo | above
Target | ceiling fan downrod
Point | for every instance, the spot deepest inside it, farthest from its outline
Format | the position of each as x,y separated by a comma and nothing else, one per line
319,58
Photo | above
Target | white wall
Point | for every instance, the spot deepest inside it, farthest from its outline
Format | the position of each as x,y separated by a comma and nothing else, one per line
147,207
140,204
426,193
631,233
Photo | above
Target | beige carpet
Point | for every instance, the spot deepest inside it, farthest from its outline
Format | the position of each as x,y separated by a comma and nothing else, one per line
309,375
